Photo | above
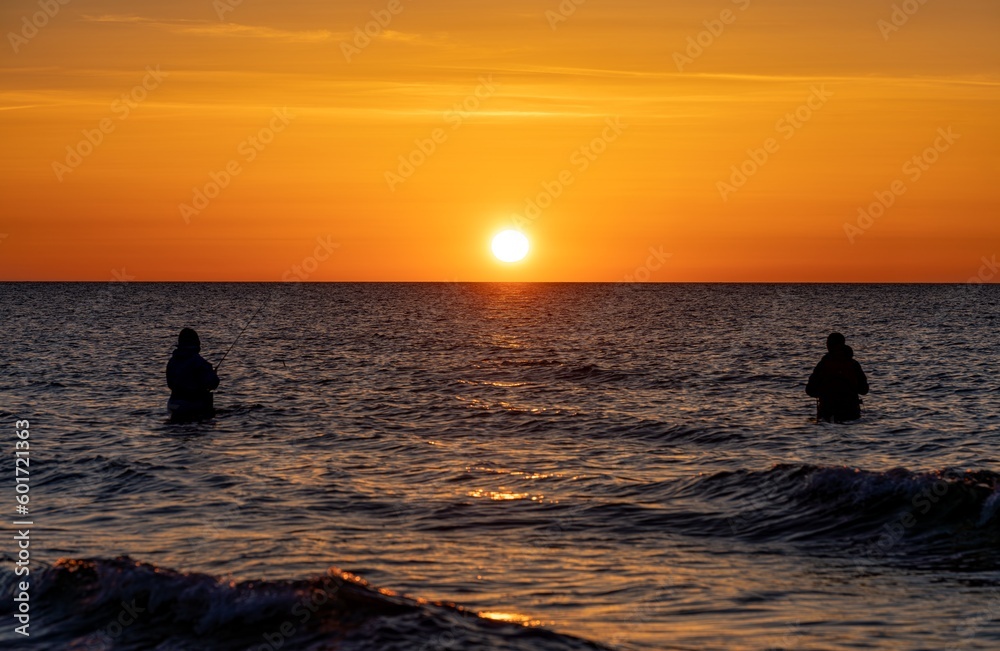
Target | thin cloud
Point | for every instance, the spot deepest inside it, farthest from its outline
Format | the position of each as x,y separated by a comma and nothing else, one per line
18,108
206,28
409,37
115,18
969,80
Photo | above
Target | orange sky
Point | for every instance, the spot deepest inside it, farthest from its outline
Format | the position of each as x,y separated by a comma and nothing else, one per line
267,90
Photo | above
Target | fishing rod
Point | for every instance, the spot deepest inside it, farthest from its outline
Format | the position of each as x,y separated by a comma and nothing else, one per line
262,306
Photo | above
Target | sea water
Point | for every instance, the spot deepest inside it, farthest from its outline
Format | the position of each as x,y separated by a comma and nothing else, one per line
633,465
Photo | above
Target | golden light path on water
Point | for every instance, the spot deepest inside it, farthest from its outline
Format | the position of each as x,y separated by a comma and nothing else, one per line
512,618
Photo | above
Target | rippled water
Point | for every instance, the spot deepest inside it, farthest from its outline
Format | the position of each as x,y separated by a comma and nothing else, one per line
630,464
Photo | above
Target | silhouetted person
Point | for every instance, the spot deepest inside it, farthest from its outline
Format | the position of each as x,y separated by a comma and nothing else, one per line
191,380
838,382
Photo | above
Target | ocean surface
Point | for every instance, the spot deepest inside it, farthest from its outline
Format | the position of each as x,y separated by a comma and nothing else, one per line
505,466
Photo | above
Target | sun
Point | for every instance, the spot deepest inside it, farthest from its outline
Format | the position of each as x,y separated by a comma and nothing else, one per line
510,246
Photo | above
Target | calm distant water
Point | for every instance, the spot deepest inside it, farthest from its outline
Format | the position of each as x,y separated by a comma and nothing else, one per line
634,465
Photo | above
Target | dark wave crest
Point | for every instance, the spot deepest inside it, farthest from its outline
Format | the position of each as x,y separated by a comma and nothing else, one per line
946,517
125,605
890,511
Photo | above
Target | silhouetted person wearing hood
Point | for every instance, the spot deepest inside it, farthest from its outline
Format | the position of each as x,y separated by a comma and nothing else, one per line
838,382
191,380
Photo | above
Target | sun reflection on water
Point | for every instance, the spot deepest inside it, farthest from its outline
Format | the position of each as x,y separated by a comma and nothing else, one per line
512,618
502,496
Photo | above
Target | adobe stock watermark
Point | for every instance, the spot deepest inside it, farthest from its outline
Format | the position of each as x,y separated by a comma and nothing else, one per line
94,479
650,609
914,170
424,148
973,625
893,532
987,273
300,614
772,492
786,127
114,289
581,159
657,258
444,641
221,521
248,150
790,639
301,272
966,295
223,7
366,34
105,638
900,16
706,38
121,109
30,26
563,12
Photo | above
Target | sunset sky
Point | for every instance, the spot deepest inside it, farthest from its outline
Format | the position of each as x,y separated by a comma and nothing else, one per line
612,115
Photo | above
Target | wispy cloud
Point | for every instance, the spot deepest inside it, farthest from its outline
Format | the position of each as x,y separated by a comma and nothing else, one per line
666,75
115,18
17,108
206,28
409,37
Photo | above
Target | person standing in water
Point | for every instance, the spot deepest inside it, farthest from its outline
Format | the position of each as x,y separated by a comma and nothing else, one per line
191,380
838,382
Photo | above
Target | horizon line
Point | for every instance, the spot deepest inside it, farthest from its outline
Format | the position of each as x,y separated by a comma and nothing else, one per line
492,282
